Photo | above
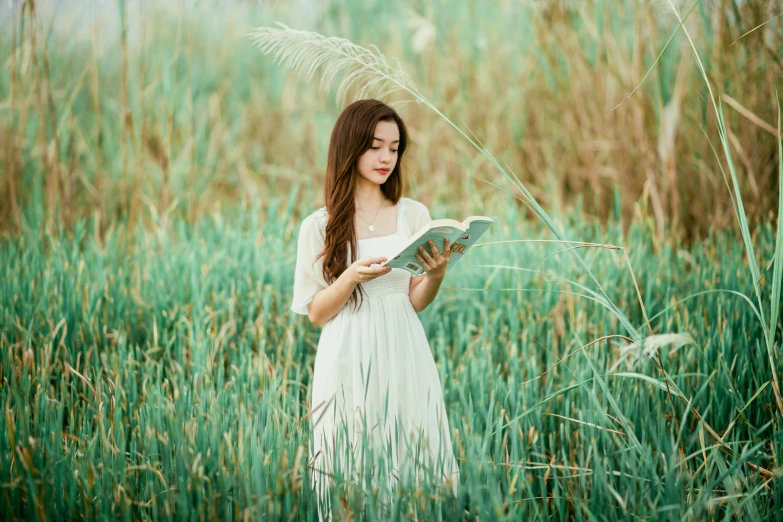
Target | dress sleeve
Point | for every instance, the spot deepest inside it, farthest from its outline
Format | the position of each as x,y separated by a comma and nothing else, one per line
308,274
420,216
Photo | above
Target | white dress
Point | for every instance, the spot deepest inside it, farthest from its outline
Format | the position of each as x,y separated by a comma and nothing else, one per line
361,355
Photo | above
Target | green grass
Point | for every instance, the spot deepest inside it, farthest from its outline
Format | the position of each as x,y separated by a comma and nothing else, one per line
171,381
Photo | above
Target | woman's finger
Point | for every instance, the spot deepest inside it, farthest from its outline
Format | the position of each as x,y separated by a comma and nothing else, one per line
425,254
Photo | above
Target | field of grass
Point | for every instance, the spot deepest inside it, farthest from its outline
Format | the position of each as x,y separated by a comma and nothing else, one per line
153,182
165,376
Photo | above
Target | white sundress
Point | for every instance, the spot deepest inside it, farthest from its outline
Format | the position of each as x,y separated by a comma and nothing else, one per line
362,354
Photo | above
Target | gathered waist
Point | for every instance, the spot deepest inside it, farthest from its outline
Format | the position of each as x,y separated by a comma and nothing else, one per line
374,297
395,282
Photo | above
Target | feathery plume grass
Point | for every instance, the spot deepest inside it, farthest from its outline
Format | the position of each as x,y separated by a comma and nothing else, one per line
366,69
632,353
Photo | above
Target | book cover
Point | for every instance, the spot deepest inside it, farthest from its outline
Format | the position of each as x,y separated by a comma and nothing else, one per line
461,235
476,226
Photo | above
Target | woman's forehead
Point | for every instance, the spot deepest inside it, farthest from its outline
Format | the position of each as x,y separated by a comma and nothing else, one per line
387,131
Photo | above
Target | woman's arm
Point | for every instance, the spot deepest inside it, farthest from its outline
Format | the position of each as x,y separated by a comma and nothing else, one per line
423,291
328,302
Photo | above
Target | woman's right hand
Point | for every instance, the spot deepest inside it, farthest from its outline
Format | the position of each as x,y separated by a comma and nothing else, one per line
360,270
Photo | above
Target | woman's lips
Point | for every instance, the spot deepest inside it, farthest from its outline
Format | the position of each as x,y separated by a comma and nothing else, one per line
383,171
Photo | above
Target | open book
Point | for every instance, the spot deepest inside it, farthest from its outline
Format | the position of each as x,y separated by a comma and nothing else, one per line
461,237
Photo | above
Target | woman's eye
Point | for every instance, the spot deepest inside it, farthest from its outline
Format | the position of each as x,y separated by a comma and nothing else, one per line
394,151
375,148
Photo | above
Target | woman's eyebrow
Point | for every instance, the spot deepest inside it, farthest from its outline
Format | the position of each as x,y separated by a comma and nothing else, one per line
395,141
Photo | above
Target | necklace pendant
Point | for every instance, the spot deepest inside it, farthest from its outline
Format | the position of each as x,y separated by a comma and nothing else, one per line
372,228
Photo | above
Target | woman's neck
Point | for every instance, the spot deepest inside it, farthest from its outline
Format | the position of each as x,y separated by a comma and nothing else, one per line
369,197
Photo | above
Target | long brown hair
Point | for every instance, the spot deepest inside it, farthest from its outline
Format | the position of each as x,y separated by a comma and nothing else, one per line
352,135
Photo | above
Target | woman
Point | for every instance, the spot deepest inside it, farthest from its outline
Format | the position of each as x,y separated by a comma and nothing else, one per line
375,384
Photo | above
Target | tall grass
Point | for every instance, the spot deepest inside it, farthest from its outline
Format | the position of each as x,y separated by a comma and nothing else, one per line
206,121
174,382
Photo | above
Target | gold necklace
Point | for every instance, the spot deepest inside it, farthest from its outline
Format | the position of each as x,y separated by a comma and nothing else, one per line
373,219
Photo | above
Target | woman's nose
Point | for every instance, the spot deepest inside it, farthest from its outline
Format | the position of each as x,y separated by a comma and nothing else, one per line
385,156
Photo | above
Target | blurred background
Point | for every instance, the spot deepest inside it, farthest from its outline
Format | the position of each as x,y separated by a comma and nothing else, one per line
113,108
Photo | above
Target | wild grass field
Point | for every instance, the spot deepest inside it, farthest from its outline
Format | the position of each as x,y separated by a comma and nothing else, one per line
610,352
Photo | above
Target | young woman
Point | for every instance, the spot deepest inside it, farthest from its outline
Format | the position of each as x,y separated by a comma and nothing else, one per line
375,381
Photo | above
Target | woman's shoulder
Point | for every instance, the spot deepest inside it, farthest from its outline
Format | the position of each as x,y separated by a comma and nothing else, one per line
316,219
317,215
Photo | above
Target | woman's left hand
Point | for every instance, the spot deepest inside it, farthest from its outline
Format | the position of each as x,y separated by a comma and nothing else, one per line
435,264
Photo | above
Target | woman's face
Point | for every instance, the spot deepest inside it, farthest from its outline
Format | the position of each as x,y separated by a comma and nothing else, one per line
378,162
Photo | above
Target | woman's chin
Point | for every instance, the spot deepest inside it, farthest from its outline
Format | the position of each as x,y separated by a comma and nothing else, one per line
377,179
